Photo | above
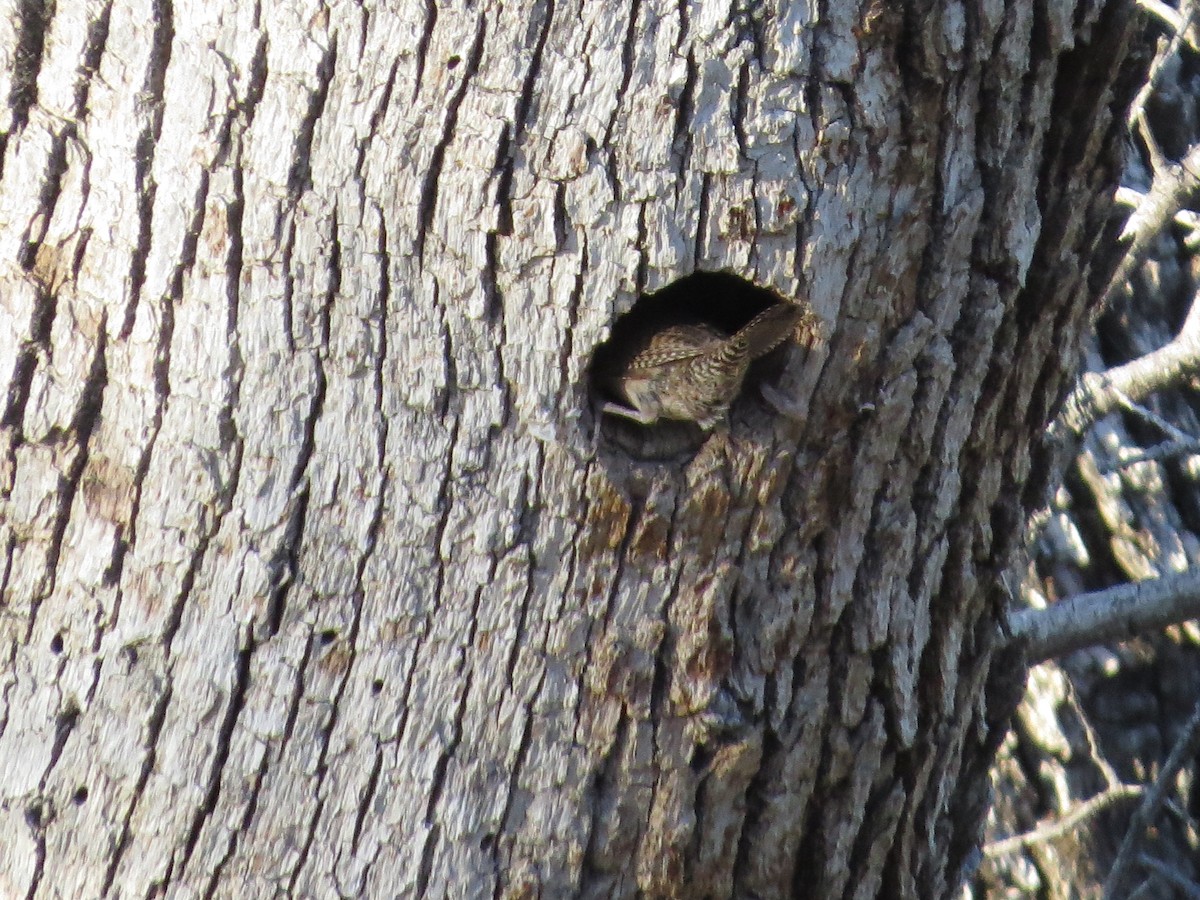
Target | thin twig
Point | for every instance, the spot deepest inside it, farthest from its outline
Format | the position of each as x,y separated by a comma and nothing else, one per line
1056,828
1098,394
1170,17
1164,451
1111,779
1172,185
1184,750
1171,875
1179,26
1149,416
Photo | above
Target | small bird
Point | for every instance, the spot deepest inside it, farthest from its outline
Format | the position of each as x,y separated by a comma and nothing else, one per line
693,372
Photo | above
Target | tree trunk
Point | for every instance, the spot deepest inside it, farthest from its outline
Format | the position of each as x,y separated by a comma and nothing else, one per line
322,578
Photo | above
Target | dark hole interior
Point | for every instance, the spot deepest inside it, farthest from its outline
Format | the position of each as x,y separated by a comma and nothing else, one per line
719,299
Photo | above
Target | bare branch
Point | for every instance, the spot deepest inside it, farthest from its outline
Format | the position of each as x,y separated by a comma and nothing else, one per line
1184,218
1173,19
1164,451
1180,442
1150,417
1185,749
1171,875
1098,394
1180,25
1056,828
1172,185
1114,614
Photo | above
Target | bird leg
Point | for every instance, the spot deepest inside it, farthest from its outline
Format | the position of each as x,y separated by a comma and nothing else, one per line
628,412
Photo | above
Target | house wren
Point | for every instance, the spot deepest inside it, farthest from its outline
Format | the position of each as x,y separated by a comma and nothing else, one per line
693,372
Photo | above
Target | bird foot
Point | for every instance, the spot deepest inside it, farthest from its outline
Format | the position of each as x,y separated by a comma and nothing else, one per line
628,412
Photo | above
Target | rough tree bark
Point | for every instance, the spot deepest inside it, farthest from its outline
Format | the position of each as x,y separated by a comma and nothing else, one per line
314,581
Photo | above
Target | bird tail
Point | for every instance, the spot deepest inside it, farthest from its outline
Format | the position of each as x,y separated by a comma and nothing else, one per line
769,329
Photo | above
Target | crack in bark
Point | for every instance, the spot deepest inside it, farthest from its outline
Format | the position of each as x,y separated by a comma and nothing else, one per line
150,103
80,431
300,176
364,801
518,769
235,834
525,97
437,783
33,22
628,57
154,726
427,201
603,804
221,748
422,49
446,505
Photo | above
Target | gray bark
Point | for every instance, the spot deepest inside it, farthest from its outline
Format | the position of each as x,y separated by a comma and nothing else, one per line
314,583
